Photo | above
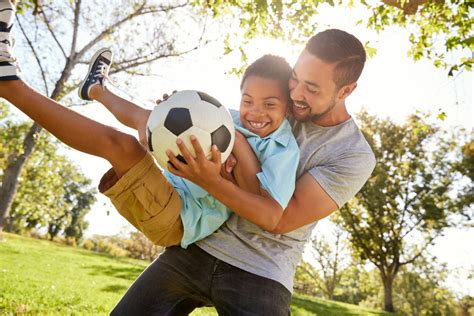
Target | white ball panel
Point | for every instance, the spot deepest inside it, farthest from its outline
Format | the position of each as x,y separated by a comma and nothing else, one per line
203,136
162,140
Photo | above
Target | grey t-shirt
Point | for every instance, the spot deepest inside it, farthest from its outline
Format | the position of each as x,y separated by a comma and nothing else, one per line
340,160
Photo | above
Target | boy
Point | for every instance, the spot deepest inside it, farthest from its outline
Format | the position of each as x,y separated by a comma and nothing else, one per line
262,122
135,183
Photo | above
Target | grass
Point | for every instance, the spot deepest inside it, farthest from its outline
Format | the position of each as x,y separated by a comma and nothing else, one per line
38,277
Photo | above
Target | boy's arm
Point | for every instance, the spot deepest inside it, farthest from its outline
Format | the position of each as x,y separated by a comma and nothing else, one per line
247,167
206,173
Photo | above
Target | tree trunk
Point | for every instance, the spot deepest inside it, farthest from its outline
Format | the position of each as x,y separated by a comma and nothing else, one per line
14,167
387,291
12,173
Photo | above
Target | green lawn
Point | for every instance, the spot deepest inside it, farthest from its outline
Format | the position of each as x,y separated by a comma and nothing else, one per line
42,278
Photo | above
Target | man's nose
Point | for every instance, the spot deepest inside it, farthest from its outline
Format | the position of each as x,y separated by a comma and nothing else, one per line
296,92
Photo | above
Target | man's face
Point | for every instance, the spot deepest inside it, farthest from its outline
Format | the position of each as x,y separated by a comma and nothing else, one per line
312,88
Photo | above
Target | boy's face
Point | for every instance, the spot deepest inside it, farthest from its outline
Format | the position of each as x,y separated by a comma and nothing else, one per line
263,105
313,90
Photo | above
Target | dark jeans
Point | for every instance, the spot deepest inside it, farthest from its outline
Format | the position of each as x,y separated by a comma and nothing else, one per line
181,280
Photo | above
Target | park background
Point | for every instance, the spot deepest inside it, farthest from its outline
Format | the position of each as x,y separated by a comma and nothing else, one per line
393,86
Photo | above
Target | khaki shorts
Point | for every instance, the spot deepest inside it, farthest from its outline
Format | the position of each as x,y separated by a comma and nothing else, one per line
147,200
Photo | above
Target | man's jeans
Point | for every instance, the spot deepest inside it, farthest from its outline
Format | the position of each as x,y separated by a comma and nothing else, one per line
181,280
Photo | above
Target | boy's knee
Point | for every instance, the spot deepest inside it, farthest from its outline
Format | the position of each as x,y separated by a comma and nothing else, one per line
123,151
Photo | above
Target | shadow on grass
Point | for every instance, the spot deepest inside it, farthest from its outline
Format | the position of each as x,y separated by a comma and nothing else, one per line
320,309
126,273
114,288
331,308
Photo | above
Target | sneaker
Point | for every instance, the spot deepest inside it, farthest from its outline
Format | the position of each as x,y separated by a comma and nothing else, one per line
9,69
98,72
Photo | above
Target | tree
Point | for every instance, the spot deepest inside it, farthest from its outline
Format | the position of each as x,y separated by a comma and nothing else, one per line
72,207
52,194
412,193
466,167
72,30
330,258
307,280
466,303
437,28
419,290
81,199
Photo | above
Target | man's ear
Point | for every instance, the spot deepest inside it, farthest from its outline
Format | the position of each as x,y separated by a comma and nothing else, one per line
347,90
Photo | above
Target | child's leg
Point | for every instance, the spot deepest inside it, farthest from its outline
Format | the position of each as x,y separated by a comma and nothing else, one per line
93,88
126,112
123,151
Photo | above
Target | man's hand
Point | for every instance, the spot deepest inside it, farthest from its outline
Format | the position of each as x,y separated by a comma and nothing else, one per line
165,97
228,168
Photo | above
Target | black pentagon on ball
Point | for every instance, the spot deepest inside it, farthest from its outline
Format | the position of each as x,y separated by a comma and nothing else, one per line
180,158
150,145
206,97
178,120
221,138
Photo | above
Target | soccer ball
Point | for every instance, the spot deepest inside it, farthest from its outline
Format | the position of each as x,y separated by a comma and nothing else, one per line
186,113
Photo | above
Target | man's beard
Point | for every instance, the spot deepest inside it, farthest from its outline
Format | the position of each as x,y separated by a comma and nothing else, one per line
317,116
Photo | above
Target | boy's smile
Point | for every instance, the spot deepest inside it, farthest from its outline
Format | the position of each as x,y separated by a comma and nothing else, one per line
263,105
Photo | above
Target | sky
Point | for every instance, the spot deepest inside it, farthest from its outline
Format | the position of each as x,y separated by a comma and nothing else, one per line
392,85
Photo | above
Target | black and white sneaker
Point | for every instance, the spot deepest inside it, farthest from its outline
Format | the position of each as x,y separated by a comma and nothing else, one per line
98,72
9,69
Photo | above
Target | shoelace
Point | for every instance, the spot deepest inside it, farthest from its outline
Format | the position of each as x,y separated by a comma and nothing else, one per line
101,72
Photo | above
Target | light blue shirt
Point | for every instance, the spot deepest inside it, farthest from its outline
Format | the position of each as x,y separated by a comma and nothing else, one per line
278,154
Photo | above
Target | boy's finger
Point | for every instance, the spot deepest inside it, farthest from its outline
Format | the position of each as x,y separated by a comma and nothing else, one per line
216,155
200,155
173,162
185,152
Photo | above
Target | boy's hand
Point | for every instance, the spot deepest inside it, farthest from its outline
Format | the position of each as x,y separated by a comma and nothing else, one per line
203,172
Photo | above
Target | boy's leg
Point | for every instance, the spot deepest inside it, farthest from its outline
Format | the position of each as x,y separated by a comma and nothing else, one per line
8,68
93,88
123,151
125,111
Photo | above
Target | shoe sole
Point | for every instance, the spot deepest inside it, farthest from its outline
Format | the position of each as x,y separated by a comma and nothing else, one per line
9,71
83,94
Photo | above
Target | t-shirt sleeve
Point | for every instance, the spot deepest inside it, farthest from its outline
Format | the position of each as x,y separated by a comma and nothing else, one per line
343,177
278,174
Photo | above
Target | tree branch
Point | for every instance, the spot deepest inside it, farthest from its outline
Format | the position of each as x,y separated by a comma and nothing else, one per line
139,12
77,10
421,251
50,29
43,75
145,59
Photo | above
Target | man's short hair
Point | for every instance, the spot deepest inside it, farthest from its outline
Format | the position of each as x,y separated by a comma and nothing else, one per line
341,48
270,67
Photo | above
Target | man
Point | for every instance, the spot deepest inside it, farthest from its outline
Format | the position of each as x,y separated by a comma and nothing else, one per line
242,269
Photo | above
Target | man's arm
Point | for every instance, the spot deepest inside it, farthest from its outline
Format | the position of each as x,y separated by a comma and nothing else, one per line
308,204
